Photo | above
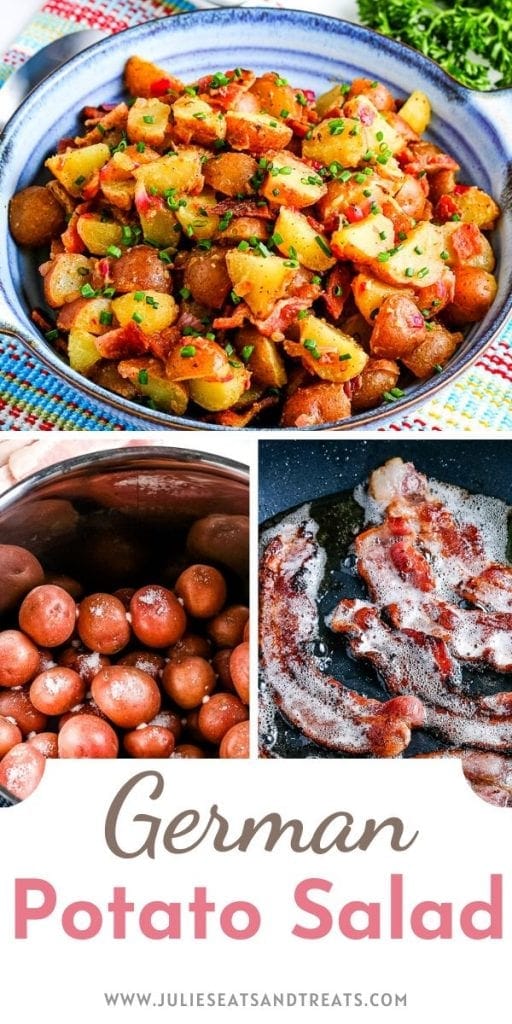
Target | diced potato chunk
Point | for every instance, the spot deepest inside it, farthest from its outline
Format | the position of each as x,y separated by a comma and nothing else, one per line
328,352
98,235
364,240
417,260
91,315
149,378
181,171
152,311
381,137
196,121
256,133
65,278
337,140
331,99
416,111
484,257
160,227
260,280
147,121
262,358
217,395
196,217
75,168
142,78
297,235
369,294
82,351
477,207
291,182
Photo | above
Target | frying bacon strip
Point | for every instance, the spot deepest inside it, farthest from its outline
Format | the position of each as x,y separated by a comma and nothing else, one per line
491,590
323,708
472,636
413,663
490,775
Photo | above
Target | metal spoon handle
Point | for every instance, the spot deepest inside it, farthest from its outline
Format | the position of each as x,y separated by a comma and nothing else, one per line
25,79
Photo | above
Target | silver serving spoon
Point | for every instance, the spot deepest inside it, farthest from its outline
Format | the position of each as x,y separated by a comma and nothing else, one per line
24,80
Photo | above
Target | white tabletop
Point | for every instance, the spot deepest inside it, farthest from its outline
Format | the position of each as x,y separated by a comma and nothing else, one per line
17,13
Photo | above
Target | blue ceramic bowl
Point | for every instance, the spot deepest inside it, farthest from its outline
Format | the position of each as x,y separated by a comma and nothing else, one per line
311,50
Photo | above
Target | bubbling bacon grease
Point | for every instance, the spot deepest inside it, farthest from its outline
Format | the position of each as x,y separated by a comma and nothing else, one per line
413,663
322,707
489,775
472,635
491,590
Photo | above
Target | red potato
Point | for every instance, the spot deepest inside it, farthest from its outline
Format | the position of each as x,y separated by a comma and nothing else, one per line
169,720
190,644
411,197
398,328
86,663
188,751
203,591
57,690
379,95
19,658
140,269
64,278
102,624
158,619
240,670
21,770
223,539
475,291
206,276
188,681
20,571
48,615
149,741
315,404
87,736
16,704
46,743
227,628
146,661
127,696
67,583
257,133
219,714
277,97
220,664
231,173
10,735
378,376
235,743
35,216
434,352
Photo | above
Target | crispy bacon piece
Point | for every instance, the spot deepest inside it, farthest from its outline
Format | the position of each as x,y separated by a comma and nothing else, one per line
472,636
491,590
412,663
123,342
427,157
323,708
284,314
115,118
337,290
234,319
243,208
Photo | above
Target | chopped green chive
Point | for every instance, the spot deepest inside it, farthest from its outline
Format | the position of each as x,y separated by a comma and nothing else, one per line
142,376
235,299
139,319
87,291
141,147
79,181
148,119
423,272
311,346
243,246
106,318
185,293
205,243
52,335
188,351
336,126
323,245
139,296
115,251
247,352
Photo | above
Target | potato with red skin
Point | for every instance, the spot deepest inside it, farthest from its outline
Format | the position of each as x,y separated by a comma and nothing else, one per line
19,658
239,668
57,690
432,299
188,680
188,751
227,628
46,743
16,704
411,197
235,743
169,720
274,97
219,714
220,665
10,735
127,696
35,217
20,572
158,619
223,539
475,291
203,591
87,736
378,376
67,583
150,741
102,624
435,351
145,661
21,770
318,403
48,615
140,269
231,173
190,644
398,328
86,663
378,93
206,276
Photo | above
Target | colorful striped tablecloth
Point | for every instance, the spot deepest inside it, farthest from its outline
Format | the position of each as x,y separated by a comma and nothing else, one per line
32,398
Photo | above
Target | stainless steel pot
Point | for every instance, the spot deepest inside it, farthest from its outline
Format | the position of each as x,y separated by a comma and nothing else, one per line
121,517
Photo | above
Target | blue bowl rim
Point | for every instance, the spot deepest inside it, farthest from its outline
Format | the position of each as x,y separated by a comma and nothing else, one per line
423,390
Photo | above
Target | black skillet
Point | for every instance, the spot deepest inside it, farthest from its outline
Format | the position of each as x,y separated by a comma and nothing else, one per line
325,473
